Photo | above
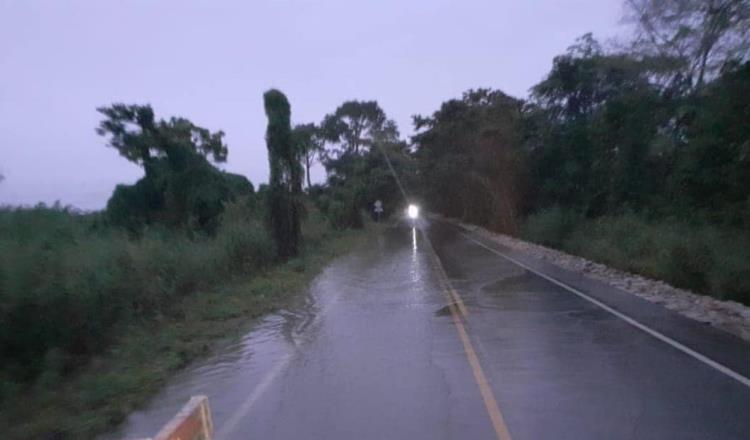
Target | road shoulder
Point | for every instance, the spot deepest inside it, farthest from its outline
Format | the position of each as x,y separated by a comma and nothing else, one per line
720,346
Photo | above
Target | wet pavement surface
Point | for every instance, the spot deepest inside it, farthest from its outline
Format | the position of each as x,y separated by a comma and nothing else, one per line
372,352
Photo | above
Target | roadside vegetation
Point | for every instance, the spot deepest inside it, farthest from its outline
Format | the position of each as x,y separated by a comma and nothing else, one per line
702,257
68,281
637,155
79,396
98,309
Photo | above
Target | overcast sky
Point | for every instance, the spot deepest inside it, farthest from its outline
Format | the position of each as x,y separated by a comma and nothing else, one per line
211,61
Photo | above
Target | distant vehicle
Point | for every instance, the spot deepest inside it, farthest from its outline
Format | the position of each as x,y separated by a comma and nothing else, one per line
378,208
412,212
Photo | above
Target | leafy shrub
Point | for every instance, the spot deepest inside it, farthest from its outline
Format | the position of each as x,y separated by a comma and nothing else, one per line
194,196
552,226
316,228
341,205
343,215
244,247
689,265
730,277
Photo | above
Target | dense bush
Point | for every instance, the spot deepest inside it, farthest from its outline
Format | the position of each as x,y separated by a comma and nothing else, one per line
192,197
552,226
67,280
344,213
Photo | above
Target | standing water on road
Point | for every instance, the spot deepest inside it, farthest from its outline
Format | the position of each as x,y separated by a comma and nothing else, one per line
326,364
238,369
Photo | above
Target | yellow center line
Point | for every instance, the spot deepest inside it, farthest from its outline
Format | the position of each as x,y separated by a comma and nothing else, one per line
457,309
452,294
498,422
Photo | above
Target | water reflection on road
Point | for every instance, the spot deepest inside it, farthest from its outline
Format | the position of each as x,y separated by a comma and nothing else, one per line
239,373
372,352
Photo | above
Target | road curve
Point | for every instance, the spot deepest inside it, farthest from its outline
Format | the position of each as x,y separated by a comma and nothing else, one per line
438,335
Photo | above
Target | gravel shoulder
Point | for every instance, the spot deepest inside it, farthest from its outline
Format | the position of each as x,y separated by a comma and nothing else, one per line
729,316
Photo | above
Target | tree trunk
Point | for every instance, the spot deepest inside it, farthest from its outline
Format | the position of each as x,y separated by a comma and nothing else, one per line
307,170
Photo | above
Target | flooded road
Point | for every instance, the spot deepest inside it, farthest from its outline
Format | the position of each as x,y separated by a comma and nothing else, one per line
370,355
379,348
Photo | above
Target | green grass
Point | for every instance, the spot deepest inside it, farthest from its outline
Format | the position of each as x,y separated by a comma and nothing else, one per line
697,256
182,296
67,280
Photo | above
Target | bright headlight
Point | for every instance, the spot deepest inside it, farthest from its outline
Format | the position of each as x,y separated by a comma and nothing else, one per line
412,211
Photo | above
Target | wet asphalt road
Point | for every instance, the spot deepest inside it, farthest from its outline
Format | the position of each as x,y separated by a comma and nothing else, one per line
373,352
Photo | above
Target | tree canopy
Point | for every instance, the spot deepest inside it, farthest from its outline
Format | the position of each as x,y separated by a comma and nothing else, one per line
354,125
704,34
468,156
137,136
600,134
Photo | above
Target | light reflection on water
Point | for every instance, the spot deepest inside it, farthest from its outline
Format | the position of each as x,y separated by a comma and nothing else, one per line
416,269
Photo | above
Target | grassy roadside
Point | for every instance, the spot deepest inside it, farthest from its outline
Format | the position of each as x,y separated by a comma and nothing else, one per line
697,256
145,354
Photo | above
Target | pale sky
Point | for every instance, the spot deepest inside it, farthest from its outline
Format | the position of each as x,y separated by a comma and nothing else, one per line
211,61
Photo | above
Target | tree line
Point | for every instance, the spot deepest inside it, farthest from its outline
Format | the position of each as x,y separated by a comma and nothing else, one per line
635,154
183,188
659,127
351,144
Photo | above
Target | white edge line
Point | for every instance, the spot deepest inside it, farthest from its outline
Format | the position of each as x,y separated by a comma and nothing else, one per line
244,409
253,397
658,335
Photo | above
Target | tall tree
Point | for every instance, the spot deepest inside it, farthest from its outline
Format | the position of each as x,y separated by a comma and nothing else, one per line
359,134
594,118
712,169
354,125
584,78
310,143
704,33
469,160
285,183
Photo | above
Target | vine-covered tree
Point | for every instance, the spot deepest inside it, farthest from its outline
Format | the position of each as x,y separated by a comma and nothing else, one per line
285,180
181,187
